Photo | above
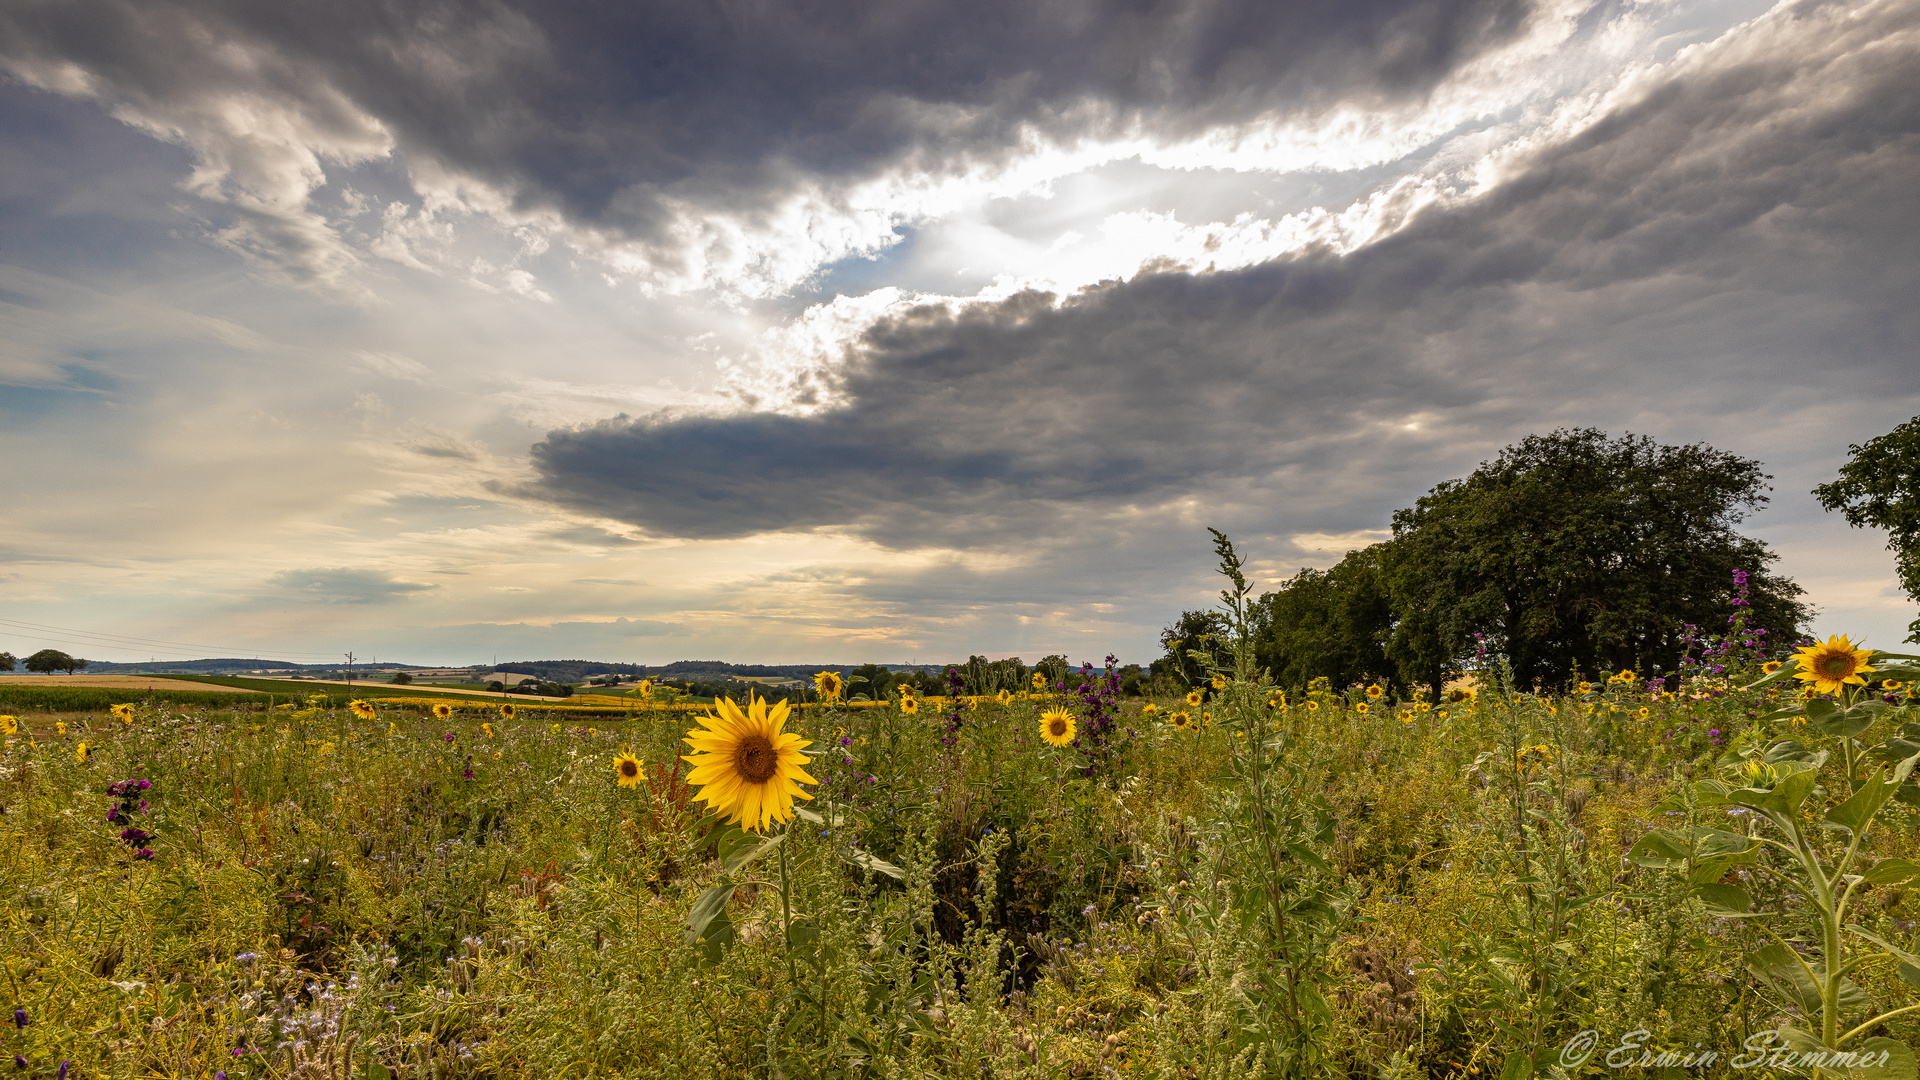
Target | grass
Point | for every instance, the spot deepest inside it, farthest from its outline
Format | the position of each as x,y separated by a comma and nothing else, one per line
475,897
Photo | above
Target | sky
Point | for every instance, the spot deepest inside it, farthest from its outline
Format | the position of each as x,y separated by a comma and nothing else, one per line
898,331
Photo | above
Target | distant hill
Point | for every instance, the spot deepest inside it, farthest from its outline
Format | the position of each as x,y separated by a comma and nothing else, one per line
572,671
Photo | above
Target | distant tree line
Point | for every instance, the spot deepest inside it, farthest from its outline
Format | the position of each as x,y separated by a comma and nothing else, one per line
1568,554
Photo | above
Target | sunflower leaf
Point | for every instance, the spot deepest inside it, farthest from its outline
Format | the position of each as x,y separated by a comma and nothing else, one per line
866,861
711,905
747,850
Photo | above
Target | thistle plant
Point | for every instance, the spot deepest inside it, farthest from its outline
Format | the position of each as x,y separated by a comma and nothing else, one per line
1817,843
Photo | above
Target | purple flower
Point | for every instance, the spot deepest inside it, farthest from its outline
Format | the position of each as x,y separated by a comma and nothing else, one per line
19,1018
846,740
19,1062
63,1071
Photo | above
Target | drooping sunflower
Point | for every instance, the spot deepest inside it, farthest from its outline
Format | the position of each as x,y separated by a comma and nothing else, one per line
10,725
123,713
626,769
829,685
506,712
1039,680
1219,682
1004,697
1830,667
1058,727
81,753
745,766
645,689
1195,697
442,710
488,728
1374,691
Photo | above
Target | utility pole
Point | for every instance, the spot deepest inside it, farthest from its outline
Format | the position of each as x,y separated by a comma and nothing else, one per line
349,673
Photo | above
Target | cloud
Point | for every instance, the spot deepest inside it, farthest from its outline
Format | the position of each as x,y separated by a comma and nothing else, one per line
1733,238
344,585
697,144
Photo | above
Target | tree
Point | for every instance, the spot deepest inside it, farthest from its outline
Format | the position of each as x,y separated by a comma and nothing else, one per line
8,661
1333,623
1576,552
400,678
1880,486
1205,632
48,661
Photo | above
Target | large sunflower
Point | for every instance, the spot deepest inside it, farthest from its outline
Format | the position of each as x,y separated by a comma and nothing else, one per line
1830,667
441,710
829,685
745,766
626,769
1058,727
362,710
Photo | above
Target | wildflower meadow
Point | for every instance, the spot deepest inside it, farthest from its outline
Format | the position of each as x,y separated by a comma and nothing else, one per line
1707,872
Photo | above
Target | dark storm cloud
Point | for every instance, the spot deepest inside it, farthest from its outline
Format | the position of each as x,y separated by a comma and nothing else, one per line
1737,244
603,110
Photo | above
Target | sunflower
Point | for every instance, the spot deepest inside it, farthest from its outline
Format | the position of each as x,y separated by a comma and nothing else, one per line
59,727
82,752
506,712
361,709
1039,680
626,769
123,713
1830,667
1442,714
1375,691
829,685
1889,684
1057,727
909,704
1644,712
1277,700
1149,709
442,710
1625,676
1206,719
1182,720
1586,687
1360,707
1004,697
1219,682
645,689
746,766
1194,697
488,728
1770,667
1424,706
1461,695
1313,706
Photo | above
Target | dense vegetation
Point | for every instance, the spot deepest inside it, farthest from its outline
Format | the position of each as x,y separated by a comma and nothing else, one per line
1335,881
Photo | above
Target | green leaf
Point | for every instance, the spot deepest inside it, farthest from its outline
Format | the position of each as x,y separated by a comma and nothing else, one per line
748,850
1900,1063
1866,801
1784,797
1660,850
706,909
1727,897
1776,965
1517,1067
1892,871
878,865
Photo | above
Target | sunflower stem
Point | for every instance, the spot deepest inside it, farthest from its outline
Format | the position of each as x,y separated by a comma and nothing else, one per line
786,914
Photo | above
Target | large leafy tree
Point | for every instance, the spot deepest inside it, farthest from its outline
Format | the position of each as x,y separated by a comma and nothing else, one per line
48,661
1573,551
1880,486
1204,632
1335,623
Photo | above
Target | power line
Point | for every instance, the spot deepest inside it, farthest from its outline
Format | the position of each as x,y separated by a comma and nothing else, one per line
70,635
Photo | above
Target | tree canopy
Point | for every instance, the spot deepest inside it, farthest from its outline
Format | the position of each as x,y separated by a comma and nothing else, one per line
1880,486
48,661
1571,552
